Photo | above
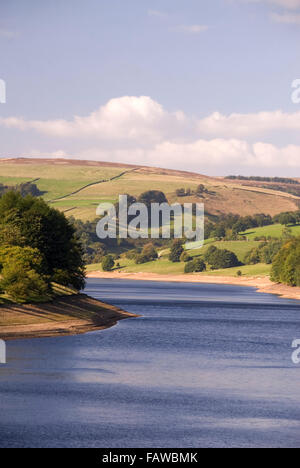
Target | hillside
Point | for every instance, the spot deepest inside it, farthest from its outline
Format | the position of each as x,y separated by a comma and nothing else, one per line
77,187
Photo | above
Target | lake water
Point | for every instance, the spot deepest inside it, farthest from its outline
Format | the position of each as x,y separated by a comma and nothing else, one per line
205,366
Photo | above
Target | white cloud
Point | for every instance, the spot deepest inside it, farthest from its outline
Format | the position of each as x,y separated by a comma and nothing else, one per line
217,156
190,29
126,118
144,121
47,154
139,130
286,18
241,125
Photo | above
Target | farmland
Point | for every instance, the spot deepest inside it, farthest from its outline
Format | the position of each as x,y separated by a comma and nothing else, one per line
77,187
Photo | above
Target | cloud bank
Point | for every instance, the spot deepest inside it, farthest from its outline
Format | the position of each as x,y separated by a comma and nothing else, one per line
139,130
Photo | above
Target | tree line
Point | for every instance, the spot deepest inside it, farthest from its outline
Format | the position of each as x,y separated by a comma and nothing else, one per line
281,180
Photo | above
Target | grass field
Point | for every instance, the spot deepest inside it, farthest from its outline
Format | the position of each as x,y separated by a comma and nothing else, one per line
274,230
59,179
164,266
240,248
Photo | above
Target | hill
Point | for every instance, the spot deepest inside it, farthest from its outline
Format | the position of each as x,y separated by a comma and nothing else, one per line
77,187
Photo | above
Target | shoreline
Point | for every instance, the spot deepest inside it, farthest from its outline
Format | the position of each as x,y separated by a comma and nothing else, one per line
262,284
64,316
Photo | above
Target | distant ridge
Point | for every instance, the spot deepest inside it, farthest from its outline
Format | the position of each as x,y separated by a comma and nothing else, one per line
83,162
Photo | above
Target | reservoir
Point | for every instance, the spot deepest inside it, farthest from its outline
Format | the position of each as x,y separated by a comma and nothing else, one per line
204,366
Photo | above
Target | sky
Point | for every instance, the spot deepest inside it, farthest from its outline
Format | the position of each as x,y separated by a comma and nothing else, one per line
198,85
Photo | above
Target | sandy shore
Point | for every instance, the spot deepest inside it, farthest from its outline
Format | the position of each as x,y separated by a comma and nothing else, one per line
68,315
262,284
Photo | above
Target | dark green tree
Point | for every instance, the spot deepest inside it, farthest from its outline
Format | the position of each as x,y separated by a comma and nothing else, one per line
176,251
108,263
30,222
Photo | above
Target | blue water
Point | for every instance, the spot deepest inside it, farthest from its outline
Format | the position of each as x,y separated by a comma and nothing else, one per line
205,366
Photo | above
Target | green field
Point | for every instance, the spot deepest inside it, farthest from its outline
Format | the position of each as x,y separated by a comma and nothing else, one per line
240,248
75,187
164,266
274,230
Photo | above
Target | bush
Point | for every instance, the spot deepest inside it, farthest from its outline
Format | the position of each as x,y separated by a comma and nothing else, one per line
108,263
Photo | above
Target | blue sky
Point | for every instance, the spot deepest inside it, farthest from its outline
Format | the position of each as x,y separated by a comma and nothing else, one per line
195,84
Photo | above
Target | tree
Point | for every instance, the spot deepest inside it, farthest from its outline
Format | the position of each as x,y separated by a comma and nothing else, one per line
22,276
150,252
24,285
219,258
286,264
287,218
45,229
199,265
195,266
152,196
108,263
180,192
200,189
176,251
219,232
240,226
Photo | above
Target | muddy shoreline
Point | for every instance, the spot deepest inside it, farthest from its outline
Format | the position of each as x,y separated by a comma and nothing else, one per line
68,315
